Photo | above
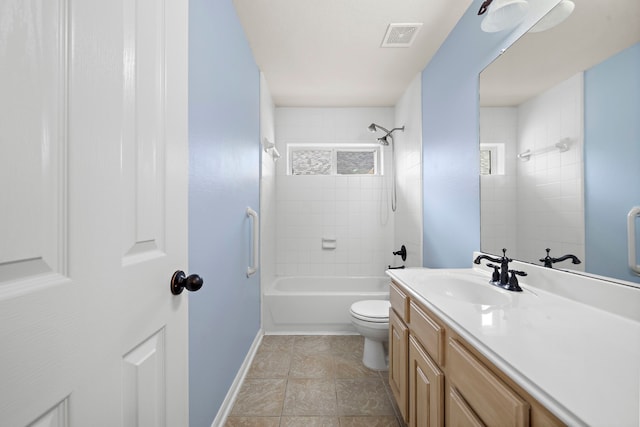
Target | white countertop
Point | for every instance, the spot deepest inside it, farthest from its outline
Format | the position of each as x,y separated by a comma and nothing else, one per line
579,360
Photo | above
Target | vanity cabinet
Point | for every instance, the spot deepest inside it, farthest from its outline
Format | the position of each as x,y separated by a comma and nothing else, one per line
399,350
439,379
426,388
398,359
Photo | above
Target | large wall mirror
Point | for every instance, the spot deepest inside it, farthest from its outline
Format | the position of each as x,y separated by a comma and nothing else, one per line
560,141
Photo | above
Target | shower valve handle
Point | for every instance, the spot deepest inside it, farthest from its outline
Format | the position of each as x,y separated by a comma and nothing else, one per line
402,252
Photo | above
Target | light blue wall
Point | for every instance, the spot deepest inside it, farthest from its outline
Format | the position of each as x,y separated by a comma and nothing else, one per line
224,316
612,160
450,139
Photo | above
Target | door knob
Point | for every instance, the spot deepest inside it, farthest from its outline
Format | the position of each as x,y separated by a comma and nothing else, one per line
179,282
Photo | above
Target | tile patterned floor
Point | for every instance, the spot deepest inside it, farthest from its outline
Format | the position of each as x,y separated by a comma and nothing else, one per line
309,381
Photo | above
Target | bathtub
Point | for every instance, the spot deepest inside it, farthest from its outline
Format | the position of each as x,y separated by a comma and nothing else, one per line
317,304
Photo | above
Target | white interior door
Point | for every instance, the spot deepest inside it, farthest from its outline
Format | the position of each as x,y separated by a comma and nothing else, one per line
93,212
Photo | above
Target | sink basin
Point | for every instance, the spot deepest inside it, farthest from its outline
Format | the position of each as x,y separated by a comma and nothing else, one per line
470,288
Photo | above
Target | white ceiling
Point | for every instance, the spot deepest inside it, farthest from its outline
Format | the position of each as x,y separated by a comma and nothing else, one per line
595,30
326,53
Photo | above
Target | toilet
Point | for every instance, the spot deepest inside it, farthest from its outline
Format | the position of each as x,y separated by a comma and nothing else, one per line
371,320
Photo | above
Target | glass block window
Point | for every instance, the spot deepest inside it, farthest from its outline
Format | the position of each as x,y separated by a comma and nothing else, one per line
311,162
334,159
492,158
355,162
485,162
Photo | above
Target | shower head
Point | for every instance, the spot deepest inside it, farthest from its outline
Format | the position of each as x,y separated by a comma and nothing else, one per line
384,140
374,127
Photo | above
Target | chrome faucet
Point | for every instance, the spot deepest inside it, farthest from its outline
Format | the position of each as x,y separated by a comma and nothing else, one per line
500,276
548,261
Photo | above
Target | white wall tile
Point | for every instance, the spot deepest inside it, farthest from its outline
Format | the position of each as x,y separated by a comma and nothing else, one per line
550,184
408,148
341,207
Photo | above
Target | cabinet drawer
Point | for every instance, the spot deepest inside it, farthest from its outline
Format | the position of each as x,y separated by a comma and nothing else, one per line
486,395
428,331
399,301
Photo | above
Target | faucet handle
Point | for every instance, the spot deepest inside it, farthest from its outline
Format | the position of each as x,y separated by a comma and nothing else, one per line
513,284
496,274
547,260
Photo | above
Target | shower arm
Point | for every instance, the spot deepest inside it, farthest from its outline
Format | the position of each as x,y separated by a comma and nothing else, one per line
389,132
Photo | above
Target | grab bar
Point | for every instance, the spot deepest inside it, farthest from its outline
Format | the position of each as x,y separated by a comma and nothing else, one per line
631,239
254,242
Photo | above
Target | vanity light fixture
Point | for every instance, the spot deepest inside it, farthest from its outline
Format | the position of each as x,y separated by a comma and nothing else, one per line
502,14
557,15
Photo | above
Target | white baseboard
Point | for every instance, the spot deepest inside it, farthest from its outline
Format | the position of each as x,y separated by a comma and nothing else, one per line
232,394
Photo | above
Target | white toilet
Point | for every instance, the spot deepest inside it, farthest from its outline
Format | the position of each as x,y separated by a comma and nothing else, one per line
371,320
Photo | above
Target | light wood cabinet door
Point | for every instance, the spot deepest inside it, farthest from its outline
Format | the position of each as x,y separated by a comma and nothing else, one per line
491,400
426,388
398,356
460,414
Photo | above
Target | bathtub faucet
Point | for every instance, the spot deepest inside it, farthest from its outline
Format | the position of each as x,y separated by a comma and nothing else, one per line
395,268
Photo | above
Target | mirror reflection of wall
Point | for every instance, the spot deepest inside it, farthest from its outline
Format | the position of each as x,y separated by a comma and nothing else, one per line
538,202
547,103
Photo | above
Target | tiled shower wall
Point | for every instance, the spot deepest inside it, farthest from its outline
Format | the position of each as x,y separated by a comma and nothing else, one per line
267,188
551,185
408,215
353,210
498,200
538,203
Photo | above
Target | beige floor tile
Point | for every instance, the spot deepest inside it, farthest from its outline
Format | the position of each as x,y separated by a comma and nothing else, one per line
281,343
348,365
362,396
252,422
368,422
309,422
353,344
312,344
309,381
270,364
310,397
311,366
260,397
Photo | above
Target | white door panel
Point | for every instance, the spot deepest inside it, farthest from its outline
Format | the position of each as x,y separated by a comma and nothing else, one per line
32,140
93,181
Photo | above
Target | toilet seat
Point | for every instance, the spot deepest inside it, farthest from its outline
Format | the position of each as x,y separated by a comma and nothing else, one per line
374,311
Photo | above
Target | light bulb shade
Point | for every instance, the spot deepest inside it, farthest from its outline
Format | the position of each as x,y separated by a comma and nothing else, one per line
372,127
504,15
554,17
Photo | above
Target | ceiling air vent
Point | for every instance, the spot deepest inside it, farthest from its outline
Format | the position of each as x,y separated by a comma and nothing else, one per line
400,35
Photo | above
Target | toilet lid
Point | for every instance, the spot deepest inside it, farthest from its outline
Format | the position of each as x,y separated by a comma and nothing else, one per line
371,310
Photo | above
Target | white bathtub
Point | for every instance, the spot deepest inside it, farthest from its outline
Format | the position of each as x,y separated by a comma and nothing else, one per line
317,304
